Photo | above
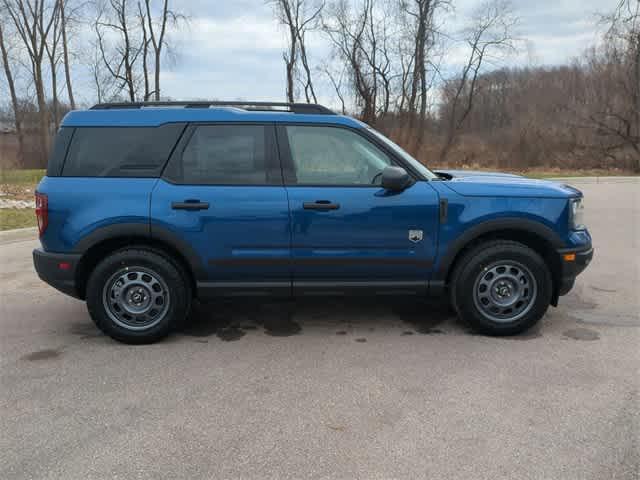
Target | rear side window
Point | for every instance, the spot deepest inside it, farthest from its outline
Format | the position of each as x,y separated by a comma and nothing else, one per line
120,151
225,155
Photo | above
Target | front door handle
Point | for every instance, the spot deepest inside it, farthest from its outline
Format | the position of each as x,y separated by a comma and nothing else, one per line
321,205
190,205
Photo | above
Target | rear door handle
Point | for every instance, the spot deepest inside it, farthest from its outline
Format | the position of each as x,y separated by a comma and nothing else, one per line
321,205
190,205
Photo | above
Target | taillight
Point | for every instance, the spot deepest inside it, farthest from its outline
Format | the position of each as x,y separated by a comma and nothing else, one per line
42,212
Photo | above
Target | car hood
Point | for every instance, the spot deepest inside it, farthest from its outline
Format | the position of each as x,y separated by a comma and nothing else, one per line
494,184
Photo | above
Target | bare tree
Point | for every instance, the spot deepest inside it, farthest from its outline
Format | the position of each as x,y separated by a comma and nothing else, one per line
53,55
299,17
336,80
12,90
33,21
132,42
62,8
421,16
119,60
145,51
362,37
618,120
489,36
157,35
347,31
104,84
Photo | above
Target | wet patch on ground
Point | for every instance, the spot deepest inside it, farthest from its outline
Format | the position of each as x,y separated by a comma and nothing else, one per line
230,334
203,323
40,355
231,320
276,318
281,326
361,340
207,320
583,334
530,334
424,317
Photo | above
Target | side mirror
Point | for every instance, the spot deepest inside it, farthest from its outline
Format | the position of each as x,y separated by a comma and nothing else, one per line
395,179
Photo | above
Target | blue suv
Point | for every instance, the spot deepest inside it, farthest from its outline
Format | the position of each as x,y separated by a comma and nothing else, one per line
147,206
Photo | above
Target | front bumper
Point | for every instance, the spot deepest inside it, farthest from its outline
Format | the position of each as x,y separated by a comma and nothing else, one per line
570,269
58,270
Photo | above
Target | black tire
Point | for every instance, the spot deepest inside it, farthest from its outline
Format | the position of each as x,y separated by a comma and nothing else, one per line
140,264
470,276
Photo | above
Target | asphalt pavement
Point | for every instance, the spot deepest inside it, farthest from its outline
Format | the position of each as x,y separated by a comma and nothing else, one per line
331,388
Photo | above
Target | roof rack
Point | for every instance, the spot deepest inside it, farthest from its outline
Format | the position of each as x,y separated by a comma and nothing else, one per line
310,108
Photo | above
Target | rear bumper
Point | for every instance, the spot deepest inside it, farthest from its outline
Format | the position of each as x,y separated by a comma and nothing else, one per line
58,270
571,269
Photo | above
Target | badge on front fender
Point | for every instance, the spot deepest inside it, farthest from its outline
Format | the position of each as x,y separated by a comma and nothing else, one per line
415,235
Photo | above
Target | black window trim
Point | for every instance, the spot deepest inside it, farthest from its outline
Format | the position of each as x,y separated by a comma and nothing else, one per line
273,165
288,166
59,162
160,170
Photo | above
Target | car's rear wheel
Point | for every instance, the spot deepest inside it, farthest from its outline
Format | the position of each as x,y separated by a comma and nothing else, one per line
501,287
137,295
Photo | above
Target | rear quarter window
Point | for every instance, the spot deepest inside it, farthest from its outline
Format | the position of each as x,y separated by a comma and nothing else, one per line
120,151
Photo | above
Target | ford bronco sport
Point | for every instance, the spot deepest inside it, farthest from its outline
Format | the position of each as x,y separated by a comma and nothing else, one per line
146,206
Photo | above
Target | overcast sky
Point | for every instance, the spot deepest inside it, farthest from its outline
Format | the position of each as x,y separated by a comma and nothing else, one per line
233,48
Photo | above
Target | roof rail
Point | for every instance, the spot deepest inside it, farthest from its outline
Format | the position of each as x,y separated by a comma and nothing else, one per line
310,108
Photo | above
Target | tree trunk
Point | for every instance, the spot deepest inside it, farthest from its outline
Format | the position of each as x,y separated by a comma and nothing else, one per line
14,99
145,54
309,91
290,65
54,92
65,54
636,93
43,113
157,75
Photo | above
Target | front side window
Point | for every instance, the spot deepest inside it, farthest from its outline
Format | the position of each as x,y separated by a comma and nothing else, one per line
223,155
334,156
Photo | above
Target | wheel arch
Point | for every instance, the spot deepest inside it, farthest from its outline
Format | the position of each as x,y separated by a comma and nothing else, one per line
534,235
107,240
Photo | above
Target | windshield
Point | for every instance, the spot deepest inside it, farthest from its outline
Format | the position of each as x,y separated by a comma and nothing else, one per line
428,174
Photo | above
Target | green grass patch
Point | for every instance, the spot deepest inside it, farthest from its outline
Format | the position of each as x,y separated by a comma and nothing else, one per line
11,218
21,177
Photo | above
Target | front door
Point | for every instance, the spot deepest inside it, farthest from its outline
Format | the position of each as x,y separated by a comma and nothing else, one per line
222,194
348,233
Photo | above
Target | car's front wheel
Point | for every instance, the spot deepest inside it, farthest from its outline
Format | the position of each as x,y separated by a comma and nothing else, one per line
137,295
501,287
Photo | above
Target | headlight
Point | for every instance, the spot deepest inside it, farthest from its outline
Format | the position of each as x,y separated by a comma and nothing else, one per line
576,214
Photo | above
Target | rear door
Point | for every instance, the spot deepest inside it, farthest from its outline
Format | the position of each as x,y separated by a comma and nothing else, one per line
222,194
348,233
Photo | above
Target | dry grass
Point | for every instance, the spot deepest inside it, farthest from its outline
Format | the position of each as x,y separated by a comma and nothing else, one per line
21,177
11,218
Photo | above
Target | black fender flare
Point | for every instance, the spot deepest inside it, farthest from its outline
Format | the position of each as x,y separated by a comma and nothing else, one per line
154,233
495,225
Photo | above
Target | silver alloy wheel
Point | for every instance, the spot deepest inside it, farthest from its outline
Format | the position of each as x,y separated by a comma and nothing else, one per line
136,298
505,291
